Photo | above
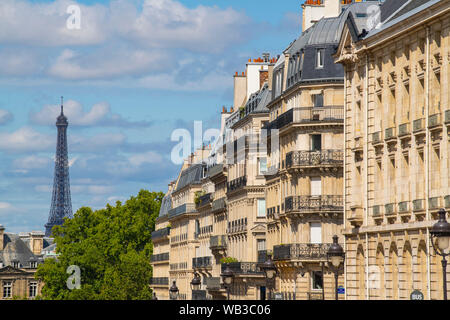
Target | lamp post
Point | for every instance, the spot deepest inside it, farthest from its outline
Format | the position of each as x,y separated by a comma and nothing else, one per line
440,239
195,284
270,271
335,257
227,277
173,291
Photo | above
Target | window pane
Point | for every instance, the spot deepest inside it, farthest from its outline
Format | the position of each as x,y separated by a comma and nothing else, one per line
261,207
262,165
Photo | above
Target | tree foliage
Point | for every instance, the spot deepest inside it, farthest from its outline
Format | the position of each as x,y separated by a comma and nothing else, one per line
112,248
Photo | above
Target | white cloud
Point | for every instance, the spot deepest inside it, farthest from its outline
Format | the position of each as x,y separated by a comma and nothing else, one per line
5,205
5,115
100,115
31,162
25,139
145,158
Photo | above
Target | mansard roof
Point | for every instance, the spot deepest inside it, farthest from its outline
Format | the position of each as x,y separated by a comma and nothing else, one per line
16,250
395,11
166,205
191,175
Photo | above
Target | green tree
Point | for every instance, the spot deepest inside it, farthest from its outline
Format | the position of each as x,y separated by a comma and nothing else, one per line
112,248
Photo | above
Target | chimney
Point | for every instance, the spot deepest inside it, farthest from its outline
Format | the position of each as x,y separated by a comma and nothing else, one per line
37,242
263,77
2,232
270,76
240,90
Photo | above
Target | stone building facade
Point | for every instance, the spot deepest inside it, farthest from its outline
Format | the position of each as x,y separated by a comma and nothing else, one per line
20,255
397,117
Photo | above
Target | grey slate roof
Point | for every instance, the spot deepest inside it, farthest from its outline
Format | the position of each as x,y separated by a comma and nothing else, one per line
166,205
191,175
16,250
399,13
324,34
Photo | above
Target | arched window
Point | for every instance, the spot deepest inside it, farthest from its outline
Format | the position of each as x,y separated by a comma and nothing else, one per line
422,261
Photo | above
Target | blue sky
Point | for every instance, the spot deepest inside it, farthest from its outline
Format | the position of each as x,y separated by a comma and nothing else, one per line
134,71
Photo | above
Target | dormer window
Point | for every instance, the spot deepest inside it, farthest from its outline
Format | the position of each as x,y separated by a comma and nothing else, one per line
33,264
320,58
16,264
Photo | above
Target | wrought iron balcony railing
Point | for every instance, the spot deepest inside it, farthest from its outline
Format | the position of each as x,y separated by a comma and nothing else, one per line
204,200
237,184
185,208
161,233
160,257
218,242
313,203
308,115
301,251
239,225
262,256
314,158
218,205
215,170
243,267
202,262
162,281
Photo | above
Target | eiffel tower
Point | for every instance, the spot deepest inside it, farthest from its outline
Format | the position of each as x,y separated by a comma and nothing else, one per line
61,206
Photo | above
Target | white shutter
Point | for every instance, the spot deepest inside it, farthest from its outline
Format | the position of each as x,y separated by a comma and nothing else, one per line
316,186
316,233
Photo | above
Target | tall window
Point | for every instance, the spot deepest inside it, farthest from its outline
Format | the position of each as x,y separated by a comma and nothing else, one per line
317,280
318,100
316,142
315,230
320,58
7,289
316,186
32,289
261,207
262,166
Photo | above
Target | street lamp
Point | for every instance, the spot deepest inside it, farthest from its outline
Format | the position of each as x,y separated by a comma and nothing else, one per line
270,271
335,257
440,239
195,284
173,291
227,277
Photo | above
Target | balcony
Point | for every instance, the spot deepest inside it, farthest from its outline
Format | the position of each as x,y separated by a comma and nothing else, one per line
418,126
434,203
161,281
418,205
237,184
201,263
163,257
403,130
243,268
218,205
161,234
213,284
389,134
389,210
314,158
218,242
307,115
236,226
215,170
204,200
301,251
376,138
183,209
262,256
434,121
447,117
313,203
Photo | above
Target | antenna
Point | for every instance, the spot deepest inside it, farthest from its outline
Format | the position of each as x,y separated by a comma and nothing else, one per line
62,103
